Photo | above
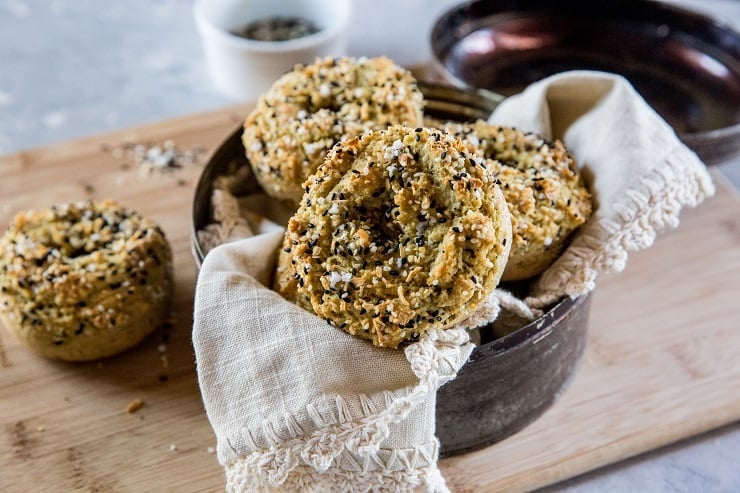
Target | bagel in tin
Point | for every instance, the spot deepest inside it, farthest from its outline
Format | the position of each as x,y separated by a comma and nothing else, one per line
547,197
399,231
308,110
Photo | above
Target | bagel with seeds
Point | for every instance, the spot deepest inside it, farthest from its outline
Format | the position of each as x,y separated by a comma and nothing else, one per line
400,231
308,110
547,198
85,280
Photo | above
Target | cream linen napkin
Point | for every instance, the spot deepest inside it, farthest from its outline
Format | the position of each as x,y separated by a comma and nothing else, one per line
298,405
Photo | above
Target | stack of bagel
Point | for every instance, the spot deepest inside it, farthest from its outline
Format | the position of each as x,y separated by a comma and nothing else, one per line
402,226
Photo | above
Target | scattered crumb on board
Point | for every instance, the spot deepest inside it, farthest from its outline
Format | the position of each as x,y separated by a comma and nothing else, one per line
134,406
154,158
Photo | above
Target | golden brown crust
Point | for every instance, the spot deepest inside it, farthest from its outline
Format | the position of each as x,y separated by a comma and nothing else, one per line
399,231
85,280
547,197
313,107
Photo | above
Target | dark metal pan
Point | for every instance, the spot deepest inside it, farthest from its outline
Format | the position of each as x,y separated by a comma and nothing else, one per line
686,65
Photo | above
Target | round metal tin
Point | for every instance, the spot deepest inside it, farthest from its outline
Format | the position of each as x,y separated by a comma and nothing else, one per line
509,381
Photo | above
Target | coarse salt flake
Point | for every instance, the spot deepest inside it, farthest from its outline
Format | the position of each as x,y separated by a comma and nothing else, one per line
336,277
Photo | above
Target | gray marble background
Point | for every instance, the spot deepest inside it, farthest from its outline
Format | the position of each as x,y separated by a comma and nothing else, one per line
70,68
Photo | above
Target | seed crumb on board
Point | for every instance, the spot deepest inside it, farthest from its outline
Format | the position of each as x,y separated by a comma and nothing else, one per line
40,429
211,450
155,158
134,406
173,447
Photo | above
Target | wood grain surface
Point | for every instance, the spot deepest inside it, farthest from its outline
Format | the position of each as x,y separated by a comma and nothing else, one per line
661,362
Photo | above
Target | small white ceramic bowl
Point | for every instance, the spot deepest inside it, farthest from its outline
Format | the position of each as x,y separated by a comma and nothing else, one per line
242,68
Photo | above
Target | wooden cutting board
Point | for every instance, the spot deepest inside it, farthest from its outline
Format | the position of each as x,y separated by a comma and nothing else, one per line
661,362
